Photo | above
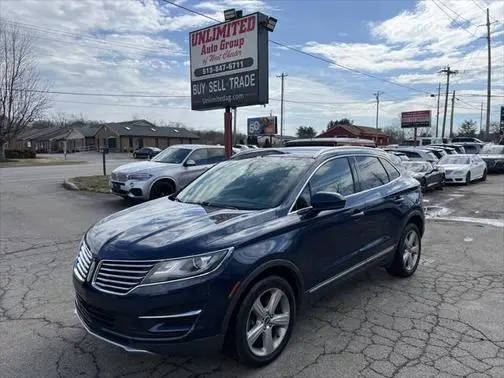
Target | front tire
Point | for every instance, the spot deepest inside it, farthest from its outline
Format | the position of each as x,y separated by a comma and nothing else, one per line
161,189
264,323
484,177
408,252
468,178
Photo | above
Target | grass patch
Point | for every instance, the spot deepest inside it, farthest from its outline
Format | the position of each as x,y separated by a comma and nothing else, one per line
98,184
11,163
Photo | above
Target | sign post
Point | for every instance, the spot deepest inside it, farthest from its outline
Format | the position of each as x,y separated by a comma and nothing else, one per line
416,119
229,65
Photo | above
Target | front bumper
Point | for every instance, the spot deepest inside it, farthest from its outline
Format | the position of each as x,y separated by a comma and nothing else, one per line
455,177
130,189
167,318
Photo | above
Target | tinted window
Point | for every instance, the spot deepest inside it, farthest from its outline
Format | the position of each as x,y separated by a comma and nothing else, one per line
334,176
413,155
371,172
216,155
200,156
393,173
304,199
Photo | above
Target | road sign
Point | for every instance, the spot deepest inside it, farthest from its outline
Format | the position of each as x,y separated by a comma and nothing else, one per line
421,118
262,126
229,64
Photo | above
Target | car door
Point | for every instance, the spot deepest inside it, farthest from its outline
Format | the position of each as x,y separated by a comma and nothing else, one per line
190,172
330,239
382,202
479,164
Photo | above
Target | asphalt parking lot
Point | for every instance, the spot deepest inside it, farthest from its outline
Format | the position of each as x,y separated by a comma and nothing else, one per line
446,320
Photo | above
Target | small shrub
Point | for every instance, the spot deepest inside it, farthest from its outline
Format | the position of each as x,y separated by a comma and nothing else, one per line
20,154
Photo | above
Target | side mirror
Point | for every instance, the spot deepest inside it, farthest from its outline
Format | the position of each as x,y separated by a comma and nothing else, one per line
190,163
327,201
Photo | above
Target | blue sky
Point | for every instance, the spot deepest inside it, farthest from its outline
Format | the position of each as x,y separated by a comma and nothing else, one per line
141,47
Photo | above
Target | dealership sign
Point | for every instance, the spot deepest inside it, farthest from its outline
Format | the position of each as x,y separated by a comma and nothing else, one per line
421,118
229,64
262,126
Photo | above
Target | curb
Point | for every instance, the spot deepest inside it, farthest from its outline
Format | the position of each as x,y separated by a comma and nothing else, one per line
68,184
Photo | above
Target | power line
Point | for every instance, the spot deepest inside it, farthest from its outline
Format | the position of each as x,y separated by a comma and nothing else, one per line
308,54
84,37
453,19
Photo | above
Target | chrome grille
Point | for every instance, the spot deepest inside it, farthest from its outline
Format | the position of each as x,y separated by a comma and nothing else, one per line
121,177
120,277
81,268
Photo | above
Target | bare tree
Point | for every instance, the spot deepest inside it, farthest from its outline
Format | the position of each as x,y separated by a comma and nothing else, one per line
23,95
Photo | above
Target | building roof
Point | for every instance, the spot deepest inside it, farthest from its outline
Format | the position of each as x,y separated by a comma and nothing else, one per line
88,130
144,128
353,129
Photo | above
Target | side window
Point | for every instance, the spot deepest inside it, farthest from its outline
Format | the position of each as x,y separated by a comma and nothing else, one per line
413,155
200,156
371,172
393,173
216,155
334,176
304,199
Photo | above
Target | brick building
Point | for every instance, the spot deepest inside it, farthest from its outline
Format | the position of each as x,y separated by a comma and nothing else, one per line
354,131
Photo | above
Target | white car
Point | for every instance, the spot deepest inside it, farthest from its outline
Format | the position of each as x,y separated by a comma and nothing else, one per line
463,168
168,172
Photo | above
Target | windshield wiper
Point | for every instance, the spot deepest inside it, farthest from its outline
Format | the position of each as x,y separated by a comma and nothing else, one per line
207,203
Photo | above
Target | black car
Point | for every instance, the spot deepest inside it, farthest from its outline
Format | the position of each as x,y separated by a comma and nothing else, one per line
428,175
146,153
493,155
233,257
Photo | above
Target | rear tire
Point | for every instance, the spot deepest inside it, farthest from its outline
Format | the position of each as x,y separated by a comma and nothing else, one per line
407,255
264,323
484,177
161,189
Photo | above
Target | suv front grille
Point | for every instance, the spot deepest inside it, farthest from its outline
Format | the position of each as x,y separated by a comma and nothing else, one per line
120,277
121,177
83,263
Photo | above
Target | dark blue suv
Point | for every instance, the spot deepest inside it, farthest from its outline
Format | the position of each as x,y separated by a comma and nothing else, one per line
231,258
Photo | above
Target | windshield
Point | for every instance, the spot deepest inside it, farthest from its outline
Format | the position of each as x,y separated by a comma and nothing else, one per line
451,159
250,184
172,155
492,150
417,167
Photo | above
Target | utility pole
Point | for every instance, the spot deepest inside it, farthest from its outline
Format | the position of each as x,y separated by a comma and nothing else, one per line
448,72
282,76
377,96
234,127
437,116
452,115
489,92
481,119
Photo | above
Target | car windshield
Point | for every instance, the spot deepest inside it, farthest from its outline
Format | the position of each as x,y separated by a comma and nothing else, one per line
250,184
172,155
451,159
416,167
492,150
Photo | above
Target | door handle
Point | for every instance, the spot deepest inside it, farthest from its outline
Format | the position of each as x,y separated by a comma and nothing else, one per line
398,200
357,214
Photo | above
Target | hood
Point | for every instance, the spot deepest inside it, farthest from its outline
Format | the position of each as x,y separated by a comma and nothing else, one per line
492,157
163,229
453,167
143,166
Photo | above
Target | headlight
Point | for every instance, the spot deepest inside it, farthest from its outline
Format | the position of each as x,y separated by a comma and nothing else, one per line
139,176
186,267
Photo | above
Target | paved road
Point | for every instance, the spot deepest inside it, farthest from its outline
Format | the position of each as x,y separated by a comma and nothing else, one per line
445,321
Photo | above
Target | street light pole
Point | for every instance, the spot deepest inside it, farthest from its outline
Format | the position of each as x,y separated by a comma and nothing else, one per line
448,72
437,115
282,76
377,96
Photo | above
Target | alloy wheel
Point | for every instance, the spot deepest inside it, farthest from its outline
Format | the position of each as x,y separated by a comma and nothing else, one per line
268,322
411,249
